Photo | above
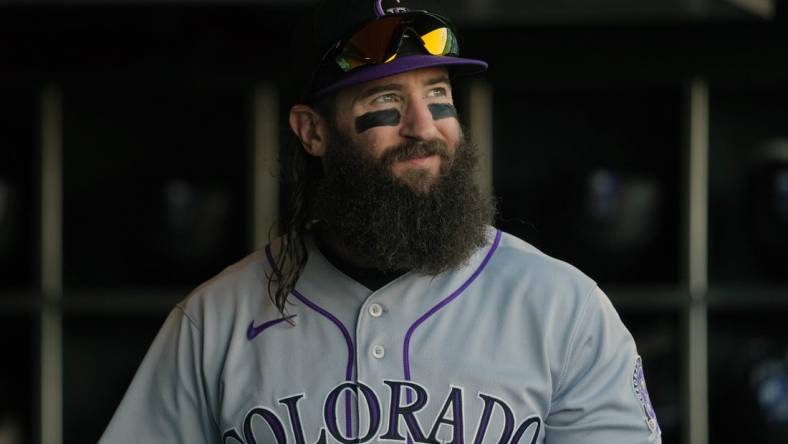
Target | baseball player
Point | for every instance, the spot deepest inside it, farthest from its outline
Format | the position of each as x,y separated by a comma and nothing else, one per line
389,310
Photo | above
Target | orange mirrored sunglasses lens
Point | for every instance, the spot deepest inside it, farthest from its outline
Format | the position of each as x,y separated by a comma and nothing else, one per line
378,42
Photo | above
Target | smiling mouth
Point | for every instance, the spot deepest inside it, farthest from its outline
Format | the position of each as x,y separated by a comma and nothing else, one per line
419,160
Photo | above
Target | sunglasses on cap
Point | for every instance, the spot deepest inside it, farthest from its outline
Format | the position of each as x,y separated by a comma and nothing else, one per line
380,40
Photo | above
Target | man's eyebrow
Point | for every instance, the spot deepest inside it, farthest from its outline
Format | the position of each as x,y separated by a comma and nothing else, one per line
437,80
397,87
378,89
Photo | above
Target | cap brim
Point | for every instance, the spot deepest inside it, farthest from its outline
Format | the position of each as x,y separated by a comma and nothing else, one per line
457,65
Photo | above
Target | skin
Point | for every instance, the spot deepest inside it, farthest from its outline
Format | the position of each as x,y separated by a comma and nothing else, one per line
411,94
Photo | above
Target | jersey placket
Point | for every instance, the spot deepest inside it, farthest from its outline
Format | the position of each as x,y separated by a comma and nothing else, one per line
336,301
378,349
387,323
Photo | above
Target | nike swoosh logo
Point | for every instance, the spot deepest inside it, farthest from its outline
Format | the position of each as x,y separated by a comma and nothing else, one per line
253,331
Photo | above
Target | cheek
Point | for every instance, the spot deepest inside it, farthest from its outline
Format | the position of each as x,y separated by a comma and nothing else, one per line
372,141
451,131
377,140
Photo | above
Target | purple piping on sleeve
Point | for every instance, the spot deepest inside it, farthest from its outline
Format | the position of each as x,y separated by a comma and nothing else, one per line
441,304
342,329
379,8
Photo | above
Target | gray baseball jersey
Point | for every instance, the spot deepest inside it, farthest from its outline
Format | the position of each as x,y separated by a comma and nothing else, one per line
513,347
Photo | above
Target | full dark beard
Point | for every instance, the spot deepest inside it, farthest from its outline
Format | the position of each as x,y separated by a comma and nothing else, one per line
421,223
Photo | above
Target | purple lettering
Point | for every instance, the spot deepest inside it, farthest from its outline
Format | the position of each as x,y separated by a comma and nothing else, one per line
330,417
374,412
273,422
407,412
489,404
295,417
525,426
232,434
330,412
453,403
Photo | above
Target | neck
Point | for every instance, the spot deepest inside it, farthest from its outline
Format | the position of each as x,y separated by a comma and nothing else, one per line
329,240
344,260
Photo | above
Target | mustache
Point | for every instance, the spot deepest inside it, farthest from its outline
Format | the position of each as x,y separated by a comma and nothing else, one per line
414,149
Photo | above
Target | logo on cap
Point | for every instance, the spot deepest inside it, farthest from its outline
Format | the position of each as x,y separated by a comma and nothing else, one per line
385,7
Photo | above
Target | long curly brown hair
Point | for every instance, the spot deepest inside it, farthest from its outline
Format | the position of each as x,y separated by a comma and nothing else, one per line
300,172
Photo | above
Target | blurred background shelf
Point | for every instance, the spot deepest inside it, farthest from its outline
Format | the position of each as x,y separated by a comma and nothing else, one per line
141,301
748,205
17,381
749,298
94,387
156,181
639,299
20,302
499,12
748,362
18,181
589,175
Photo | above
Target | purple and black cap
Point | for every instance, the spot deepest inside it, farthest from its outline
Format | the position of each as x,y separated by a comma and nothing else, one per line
332,21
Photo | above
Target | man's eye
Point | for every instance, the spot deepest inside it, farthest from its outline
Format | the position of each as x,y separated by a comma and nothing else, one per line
385,98
437,92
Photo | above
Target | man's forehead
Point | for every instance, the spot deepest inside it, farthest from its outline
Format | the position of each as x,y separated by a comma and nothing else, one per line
416,78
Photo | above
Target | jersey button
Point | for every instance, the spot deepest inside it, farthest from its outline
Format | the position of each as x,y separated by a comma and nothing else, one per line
378,351
375,310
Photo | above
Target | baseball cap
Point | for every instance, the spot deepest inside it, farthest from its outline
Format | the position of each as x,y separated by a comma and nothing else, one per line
333,23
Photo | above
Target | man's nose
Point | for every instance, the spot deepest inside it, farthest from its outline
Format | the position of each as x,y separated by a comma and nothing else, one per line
417,122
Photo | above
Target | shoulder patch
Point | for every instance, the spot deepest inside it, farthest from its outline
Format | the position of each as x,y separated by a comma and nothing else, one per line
641,393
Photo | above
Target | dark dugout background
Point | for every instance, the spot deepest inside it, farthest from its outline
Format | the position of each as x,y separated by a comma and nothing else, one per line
131,139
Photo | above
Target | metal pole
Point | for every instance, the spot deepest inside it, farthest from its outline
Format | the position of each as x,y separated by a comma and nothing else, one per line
697,179
480,120
51,347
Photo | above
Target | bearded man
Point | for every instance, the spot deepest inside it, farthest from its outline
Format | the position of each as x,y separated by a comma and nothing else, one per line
390,309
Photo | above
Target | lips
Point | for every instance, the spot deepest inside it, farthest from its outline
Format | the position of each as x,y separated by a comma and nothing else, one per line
414,152
418,160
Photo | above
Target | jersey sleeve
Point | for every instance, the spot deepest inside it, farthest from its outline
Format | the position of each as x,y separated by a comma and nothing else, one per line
166,402
601,395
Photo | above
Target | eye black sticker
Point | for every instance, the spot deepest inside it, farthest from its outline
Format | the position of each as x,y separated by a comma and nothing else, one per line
392,117
442,111
387,117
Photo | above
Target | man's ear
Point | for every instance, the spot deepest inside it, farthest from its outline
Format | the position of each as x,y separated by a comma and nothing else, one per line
310,128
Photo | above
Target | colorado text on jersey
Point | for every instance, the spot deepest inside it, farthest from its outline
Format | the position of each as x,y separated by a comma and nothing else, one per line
263,423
